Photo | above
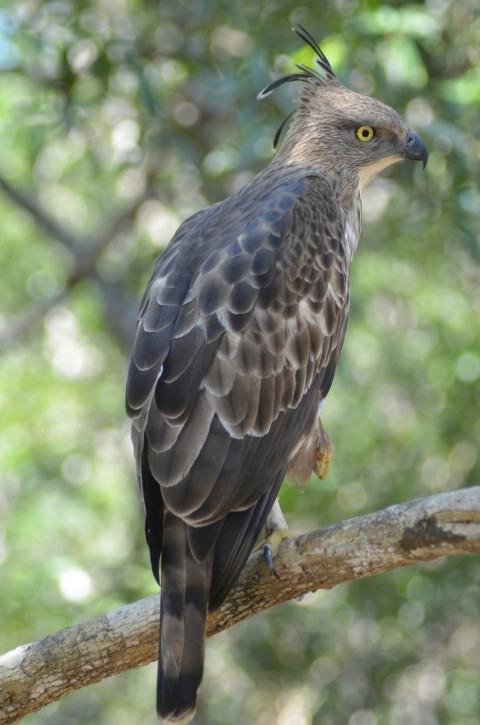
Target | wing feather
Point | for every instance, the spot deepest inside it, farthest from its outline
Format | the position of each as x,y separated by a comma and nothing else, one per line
232,408
220,377
238,338
152,347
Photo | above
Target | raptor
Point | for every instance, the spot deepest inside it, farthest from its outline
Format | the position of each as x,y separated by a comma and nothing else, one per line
239,334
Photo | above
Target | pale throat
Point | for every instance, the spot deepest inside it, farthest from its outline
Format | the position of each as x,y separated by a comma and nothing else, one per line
353,210
366,173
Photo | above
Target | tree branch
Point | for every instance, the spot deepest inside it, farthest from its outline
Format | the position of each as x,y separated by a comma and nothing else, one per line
447,524
45,222
85,255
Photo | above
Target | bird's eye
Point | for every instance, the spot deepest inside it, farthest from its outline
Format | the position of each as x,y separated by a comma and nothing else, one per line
365,133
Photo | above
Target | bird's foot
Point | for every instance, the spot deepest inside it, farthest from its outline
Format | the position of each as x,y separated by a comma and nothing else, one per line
323,459
271,547
276,530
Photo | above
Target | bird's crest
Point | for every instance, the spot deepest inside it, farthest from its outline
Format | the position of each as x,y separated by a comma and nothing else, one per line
306,75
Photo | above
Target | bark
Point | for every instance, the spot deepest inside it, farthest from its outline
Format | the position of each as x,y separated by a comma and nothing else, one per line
447,524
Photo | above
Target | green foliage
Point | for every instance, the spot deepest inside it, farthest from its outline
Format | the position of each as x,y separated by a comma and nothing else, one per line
119,119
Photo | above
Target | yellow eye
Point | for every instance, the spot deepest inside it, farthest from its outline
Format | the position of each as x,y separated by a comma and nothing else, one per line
365,133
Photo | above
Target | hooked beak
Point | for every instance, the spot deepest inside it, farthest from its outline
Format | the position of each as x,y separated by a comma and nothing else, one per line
415,149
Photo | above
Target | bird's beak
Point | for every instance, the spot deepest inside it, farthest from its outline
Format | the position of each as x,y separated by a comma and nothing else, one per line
415,149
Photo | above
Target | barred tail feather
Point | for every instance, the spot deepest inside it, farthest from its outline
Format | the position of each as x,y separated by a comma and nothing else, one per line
184,603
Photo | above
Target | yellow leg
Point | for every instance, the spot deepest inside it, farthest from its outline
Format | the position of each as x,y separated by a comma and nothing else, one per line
276,530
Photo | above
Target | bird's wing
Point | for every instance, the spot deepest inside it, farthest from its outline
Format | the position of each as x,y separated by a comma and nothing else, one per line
238,337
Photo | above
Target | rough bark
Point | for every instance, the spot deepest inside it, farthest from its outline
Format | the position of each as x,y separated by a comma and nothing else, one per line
447,524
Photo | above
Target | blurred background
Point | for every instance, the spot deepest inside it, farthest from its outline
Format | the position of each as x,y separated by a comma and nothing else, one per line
119,118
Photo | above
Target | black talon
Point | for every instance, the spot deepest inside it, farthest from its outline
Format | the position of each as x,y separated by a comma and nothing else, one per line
267,555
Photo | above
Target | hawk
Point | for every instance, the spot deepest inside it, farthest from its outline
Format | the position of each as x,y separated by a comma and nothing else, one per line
239,334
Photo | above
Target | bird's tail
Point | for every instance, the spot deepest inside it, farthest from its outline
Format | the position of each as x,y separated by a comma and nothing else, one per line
183,612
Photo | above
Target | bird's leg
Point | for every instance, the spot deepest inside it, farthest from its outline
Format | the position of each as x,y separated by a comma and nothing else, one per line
276,520
315,454
276,530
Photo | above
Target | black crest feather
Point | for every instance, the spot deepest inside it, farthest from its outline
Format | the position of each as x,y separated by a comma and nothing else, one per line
321,58
306,74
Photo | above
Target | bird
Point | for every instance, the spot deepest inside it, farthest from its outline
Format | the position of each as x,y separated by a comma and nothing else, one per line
239,334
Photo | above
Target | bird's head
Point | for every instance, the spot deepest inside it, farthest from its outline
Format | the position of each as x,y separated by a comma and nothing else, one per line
342,131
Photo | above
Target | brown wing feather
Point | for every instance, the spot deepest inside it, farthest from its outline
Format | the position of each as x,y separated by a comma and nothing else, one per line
268,351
